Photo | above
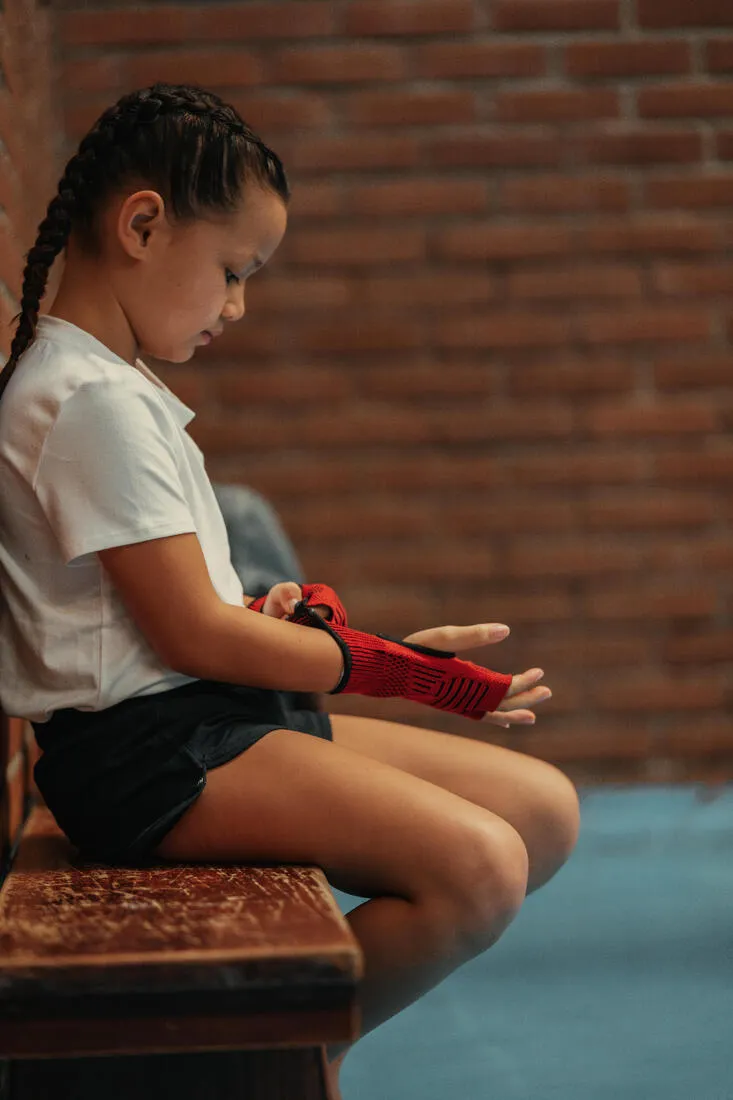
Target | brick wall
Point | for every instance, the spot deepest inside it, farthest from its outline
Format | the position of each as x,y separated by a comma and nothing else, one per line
28,141
488,374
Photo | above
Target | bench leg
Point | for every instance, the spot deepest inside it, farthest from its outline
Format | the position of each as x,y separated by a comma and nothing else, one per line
295,1073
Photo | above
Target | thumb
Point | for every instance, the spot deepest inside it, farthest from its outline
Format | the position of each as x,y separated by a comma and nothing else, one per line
291,594
281,599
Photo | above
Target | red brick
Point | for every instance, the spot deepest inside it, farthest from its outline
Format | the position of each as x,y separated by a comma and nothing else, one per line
576,282
467,60
580,468
656,509
556,15
388,17
724,144
87,74
697,553
444,288
286,385
580,648
695,192
719,55
569,558
707,736
171,23
353,153
503,330
628,58
644,146
356,247
344,64
503,242
287,293
319,476
571,378
423,381
659,418
701,369
513,609
461,425
411,108
421,197
701,692
508,513
371,520
650,235
556,106
682,13
698,468
283,112
217,68
314,198
696,280
379,334
701,648
512,150
686,100
561,193
652,601
633,326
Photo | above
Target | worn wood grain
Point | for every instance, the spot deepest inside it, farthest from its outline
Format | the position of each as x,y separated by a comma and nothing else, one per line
98,959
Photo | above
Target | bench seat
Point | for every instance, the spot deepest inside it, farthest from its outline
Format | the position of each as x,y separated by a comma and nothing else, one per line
221,980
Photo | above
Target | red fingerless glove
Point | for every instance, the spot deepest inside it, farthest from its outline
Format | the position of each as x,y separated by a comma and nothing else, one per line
313,594
380,666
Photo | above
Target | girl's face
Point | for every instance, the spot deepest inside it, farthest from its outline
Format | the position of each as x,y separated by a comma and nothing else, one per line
189,279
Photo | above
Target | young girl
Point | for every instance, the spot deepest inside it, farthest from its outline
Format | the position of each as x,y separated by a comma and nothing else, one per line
163,697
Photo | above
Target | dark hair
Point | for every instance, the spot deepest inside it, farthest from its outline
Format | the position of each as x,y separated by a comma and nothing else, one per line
178,139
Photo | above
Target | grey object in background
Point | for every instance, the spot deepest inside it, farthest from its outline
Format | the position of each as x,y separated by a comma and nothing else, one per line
262,554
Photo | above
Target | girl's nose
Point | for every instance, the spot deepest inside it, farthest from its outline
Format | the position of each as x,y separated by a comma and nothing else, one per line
234,309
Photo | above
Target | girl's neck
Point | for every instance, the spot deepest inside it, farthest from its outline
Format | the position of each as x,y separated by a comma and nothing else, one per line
109,327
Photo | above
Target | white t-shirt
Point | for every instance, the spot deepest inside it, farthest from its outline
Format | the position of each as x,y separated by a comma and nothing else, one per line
93,453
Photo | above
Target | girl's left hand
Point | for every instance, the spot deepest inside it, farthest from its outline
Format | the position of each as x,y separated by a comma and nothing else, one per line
524,693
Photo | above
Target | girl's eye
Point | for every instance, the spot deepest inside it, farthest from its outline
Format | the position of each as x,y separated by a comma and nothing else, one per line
230,275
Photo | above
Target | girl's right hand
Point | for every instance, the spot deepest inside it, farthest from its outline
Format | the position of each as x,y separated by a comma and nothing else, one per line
523,693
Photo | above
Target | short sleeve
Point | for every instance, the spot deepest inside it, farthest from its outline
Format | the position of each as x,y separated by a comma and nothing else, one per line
108,474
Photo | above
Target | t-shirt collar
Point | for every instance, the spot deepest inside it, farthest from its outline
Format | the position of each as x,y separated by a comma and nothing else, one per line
71,334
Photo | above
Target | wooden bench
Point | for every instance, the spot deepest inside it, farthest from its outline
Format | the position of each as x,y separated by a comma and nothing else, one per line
216,981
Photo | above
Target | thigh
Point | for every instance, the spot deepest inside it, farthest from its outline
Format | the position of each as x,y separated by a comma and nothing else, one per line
372,828
536,798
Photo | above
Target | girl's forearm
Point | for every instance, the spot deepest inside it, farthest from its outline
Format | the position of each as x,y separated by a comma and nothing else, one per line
239,647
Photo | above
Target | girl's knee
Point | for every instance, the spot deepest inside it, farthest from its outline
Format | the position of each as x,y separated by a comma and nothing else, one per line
559,811
488,883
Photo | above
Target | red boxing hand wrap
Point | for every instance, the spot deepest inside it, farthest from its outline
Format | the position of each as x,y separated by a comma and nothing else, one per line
313,594
380,666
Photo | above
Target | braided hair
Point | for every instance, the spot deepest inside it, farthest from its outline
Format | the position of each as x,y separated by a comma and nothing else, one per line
179,139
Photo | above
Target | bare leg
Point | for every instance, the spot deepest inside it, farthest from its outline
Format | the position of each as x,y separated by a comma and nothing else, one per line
445,877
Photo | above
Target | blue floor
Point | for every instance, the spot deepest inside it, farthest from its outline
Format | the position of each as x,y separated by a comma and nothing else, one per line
615,982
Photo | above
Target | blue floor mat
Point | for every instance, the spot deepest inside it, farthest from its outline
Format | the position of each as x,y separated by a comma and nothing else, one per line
615,981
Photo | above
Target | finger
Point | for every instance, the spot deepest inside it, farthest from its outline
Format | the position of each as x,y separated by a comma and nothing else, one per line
458,638
511,718
524,680
531,698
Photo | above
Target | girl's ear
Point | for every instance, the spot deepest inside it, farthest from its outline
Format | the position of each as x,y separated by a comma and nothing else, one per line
140,215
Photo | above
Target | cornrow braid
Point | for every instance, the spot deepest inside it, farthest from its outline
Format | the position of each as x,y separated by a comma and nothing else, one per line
181,140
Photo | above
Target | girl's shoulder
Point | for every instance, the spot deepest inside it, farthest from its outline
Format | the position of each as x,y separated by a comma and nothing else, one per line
54,381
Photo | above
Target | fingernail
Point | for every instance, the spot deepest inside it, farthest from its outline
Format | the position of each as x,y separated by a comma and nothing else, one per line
291,606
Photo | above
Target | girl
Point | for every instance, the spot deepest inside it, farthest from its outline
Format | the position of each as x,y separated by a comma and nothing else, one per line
164,707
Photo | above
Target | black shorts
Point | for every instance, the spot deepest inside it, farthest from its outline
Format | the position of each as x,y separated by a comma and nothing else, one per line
118,779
